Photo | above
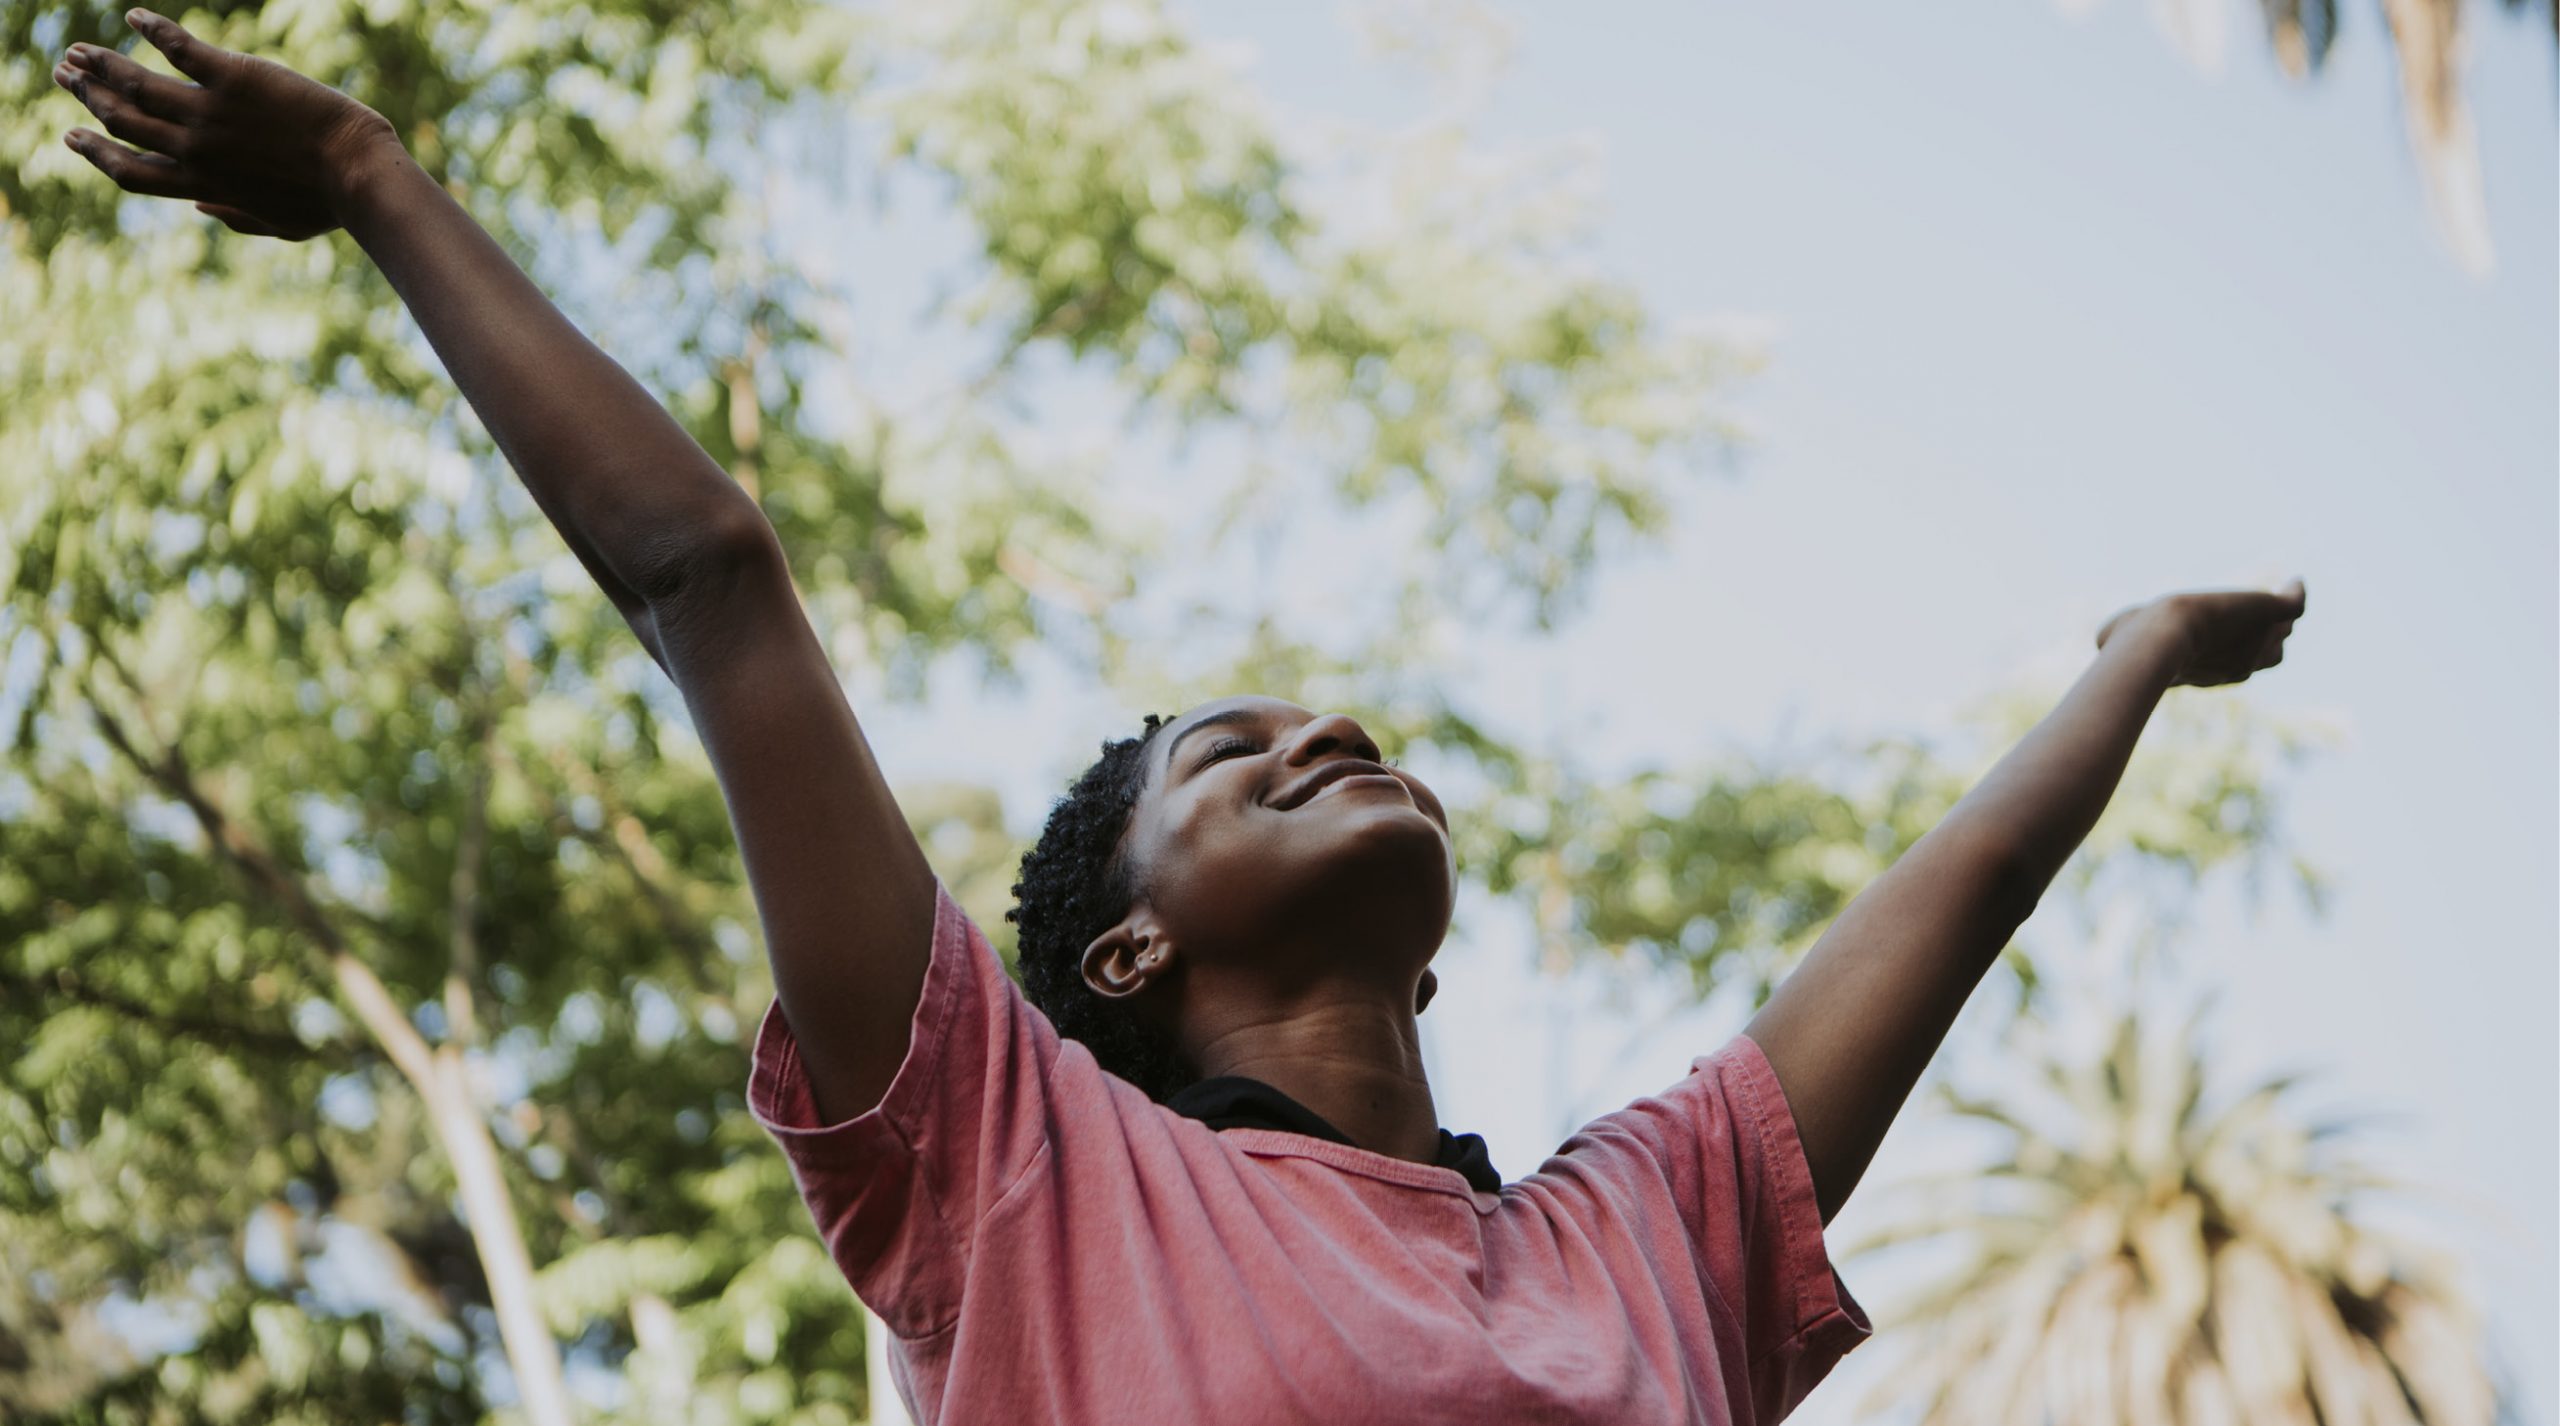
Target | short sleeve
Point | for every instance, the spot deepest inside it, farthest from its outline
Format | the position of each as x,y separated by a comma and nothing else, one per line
899,1190
1725,1141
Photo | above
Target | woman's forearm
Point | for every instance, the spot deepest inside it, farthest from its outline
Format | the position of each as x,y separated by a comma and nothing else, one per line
1849,1032
630,491
1964,888
2037,805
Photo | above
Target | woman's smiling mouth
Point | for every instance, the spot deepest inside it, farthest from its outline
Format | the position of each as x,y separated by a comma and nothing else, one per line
1336,770
1360,779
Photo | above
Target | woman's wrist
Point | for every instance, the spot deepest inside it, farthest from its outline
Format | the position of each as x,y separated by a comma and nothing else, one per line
356,161
2161,632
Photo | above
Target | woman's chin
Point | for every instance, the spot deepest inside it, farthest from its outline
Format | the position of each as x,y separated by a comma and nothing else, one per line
1392,856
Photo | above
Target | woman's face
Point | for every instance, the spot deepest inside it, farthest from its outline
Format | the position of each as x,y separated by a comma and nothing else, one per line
1274,854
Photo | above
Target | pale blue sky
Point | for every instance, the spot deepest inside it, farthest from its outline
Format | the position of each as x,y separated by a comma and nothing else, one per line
2058,324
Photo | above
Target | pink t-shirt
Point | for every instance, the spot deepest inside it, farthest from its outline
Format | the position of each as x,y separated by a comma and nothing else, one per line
1051,1246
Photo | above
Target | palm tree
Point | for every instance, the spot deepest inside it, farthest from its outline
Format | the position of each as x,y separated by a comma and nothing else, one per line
2427,42
2141,1258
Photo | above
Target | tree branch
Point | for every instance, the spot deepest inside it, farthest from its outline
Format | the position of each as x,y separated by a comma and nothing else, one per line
68,985
470,853
364,991
624,839
438,1074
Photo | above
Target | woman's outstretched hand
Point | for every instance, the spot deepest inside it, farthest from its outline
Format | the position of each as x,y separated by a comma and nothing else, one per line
268,151
2227,634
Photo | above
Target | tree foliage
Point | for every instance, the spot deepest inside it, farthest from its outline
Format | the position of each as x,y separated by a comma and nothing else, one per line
2429,42
2148,1246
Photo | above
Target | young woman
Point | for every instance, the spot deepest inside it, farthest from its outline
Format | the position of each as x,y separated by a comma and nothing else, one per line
1191,1170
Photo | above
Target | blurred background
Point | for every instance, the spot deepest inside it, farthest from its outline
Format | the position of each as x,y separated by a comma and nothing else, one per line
1697,439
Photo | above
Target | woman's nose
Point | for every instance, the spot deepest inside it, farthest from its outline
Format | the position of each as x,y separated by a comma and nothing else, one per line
1331,732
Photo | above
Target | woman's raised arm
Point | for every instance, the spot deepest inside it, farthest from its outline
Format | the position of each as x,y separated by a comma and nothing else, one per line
1850,1030
845,893
275,154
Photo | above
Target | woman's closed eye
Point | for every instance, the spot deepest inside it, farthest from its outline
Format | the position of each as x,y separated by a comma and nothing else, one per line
1224,747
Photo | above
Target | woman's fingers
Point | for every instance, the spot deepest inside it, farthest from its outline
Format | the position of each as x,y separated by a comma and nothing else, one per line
148,174
205,64
143,108
122,117
155,94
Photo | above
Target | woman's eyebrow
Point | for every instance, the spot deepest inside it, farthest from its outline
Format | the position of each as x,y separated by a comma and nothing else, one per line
1214,720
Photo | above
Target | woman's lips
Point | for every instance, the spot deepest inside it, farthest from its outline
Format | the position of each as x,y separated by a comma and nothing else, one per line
1358,778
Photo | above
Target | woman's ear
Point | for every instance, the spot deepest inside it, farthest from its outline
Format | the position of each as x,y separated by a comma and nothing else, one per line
1126,959
1422,993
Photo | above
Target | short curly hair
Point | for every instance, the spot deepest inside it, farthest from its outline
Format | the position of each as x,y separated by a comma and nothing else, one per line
1076,884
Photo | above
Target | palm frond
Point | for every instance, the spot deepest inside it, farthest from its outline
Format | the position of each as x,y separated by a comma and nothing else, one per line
2159,1257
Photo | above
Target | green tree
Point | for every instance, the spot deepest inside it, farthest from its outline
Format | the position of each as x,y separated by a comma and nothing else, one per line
2148,1248
365,893
2143,1244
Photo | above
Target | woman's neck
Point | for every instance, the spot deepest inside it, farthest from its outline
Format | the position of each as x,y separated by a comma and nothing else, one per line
1356,1063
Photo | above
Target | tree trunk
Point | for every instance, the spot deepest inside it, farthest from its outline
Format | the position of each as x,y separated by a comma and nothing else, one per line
531,1353
439,1075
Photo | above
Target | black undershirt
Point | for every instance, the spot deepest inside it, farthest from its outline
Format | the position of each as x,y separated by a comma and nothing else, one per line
1233,1101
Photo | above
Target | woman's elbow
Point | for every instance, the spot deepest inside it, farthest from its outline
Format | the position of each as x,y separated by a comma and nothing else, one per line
694,560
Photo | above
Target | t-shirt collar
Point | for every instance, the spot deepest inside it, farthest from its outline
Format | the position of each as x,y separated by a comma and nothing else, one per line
1234,1101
